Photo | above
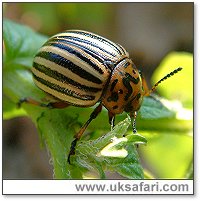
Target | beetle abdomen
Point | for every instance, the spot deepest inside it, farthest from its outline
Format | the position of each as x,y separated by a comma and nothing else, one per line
71,66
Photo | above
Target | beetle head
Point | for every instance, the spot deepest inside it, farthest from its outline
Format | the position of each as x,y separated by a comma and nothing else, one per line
125,91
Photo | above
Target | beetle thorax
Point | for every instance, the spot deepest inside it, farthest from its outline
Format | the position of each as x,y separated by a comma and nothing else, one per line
125,91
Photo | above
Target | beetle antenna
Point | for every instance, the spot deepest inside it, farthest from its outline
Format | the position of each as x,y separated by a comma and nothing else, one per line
164,78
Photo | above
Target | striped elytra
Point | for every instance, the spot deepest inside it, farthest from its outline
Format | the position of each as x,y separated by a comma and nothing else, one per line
81,68
78,67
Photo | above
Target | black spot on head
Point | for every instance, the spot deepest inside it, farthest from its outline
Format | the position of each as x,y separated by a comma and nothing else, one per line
134,71
120,91
131,78
126,83
115,107
113,84
114,97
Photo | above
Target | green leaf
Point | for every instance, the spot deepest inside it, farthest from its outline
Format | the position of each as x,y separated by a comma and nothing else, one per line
57,130
21,43
153,108
114,150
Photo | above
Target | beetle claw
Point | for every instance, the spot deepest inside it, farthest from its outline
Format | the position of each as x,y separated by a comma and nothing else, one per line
72,150
22,100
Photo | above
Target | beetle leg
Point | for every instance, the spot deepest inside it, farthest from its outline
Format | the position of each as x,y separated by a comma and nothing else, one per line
133,116
48,105
93,115
58,105
111,117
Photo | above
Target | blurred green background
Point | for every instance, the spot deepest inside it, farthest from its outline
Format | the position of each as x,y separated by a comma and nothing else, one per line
149,32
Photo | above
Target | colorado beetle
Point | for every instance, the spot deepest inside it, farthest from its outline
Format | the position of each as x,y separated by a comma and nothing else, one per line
81,68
